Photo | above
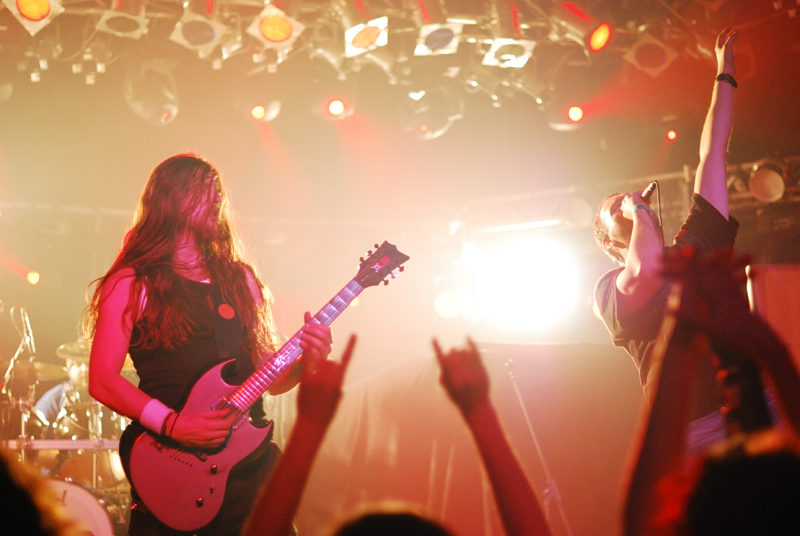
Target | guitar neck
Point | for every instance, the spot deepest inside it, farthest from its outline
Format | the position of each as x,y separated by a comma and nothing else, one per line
258,383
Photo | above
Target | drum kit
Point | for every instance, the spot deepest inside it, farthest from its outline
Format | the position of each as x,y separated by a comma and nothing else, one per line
70,438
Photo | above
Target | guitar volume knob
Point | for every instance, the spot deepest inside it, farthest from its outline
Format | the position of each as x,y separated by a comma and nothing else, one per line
214,469
199,502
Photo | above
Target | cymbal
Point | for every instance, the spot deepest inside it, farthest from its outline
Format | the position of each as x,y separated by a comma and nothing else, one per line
40,371
75,350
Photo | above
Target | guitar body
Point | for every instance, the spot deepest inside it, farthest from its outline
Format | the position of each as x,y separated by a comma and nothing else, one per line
184,488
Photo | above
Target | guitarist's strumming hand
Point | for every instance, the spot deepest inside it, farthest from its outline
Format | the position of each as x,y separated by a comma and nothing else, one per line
207,429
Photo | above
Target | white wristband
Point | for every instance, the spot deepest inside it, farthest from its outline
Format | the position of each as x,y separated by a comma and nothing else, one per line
153,415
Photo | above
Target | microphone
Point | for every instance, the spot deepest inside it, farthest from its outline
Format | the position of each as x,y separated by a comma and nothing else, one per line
648,192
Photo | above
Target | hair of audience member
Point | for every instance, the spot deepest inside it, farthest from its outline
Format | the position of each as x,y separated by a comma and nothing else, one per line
28,503
748,485
390,519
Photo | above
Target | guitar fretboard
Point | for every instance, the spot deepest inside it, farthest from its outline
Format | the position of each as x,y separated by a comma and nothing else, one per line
257,384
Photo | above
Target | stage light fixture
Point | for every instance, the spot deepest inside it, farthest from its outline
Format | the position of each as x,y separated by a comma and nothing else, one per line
650,55
39,55
265,112
436,39
508,47
366,36
767,180
151,91
430,112
328,44
361,34
580,26
436,35
575,113
335,107
126,18
563,118
34,15
93,61
275,29
198,32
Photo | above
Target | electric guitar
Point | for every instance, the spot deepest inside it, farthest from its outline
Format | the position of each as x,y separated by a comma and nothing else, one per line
184,487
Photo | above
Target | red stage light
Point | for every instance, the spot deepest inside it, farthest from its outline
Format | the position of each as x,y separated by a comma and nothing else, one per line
575,113
600,37
672,135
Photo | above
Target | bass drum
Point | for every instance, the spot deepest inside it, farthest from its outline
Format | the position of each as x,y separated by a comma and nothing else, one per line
82,506
87,421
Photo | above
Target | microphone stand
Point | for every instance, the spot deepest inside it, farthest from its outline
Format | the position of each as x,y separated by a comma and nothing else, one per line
550,491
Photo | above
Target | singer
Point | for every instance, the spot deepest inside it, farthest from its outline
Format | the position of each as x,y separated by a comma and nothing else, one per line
631,299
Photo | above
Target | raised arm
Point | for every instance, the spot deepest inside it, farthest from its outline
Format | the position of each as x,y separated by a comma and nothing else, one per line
662,432
640,277
711,179
467,384
317,401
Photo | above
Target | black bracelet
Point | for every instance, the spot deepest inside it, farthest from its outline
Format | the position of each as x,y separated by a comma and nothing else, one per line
725,77
174,422
164,424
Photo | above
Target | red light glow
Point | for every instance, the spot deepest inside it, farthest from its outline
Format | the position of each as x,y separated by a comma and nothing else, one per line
600,37
672,135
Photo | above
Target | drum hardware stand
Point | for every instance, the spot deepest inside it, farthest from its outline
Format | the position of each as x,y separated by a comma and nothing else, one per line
96,435
550,491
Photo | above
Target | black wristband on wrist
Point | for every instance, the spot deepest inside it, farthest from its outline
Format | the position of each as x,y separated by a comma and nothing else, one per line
174,422
725,77
166,420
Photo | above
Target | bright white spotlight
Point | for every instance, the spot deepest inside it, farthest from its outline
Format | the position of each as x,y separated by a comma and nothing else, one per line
531,285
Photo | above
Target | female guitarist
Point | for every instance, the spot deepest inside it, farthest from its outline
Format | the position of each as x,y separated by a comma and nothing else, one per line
181,270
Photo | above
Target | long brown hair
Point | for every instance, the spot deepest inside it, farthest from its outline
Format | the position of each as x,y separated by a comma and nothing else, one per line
165,214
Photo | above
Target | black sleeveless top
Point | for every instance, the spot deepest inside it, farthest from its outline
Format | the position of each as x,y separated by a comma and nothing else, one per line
169,374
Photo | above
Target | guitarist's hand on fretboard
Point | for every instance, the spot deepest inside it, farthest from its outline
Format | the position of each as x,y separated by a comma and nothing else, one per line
206,429
316,341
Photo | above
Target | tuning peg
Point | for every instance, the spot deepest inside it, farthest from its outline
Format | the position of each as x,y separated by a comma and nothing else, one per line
401,269
369,253
394,275
385,282
376,246
361,259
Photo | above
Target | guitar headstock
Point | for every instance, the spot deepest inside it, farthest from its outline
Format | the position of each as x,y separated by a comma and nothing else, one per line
379,264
